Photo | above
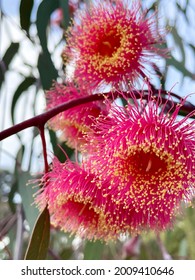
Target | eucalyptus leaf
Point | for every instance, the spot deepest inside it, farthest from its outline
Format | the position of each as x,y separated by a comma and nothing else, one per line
25,13
183,248
25,84
58,148
6,60
93,250
43,17
65,7
39,242
179,42
180,67
47,71
27,193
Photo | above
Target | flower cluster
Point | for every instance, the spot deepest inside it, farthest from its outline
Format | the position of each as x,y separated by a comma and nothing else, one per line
137,168
138,160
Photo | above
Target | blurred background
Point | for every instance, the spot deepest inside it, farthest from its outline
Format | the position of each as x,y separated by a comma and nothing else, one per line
31,43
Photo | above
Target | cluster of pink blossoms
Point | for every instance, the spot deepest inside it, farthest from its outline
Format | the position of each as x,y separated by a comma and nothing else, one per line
138,161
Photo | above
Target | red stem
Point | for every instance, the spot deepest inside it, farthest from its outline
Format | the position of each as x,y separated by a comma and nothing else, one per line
43,118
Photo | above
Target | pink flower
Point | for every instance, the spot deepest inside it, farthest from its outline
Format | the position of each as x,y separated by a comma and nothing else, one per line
112,42
148,156
74,200
76,122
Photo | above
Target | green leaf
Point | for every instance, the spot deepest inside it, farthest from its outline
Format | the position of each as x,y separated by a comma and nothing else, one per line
38,245
14,186
29,81
25,13
27,193
10,53
53,139
14,189
180,67
66,254
179,42
6,60
65,7
93,250
58,151
183,248
19,157
47,71
183,10
68,152
43,17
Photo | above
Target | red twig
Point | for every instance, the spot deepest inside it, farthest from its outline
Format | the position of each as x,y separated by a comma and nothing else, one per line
43,118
